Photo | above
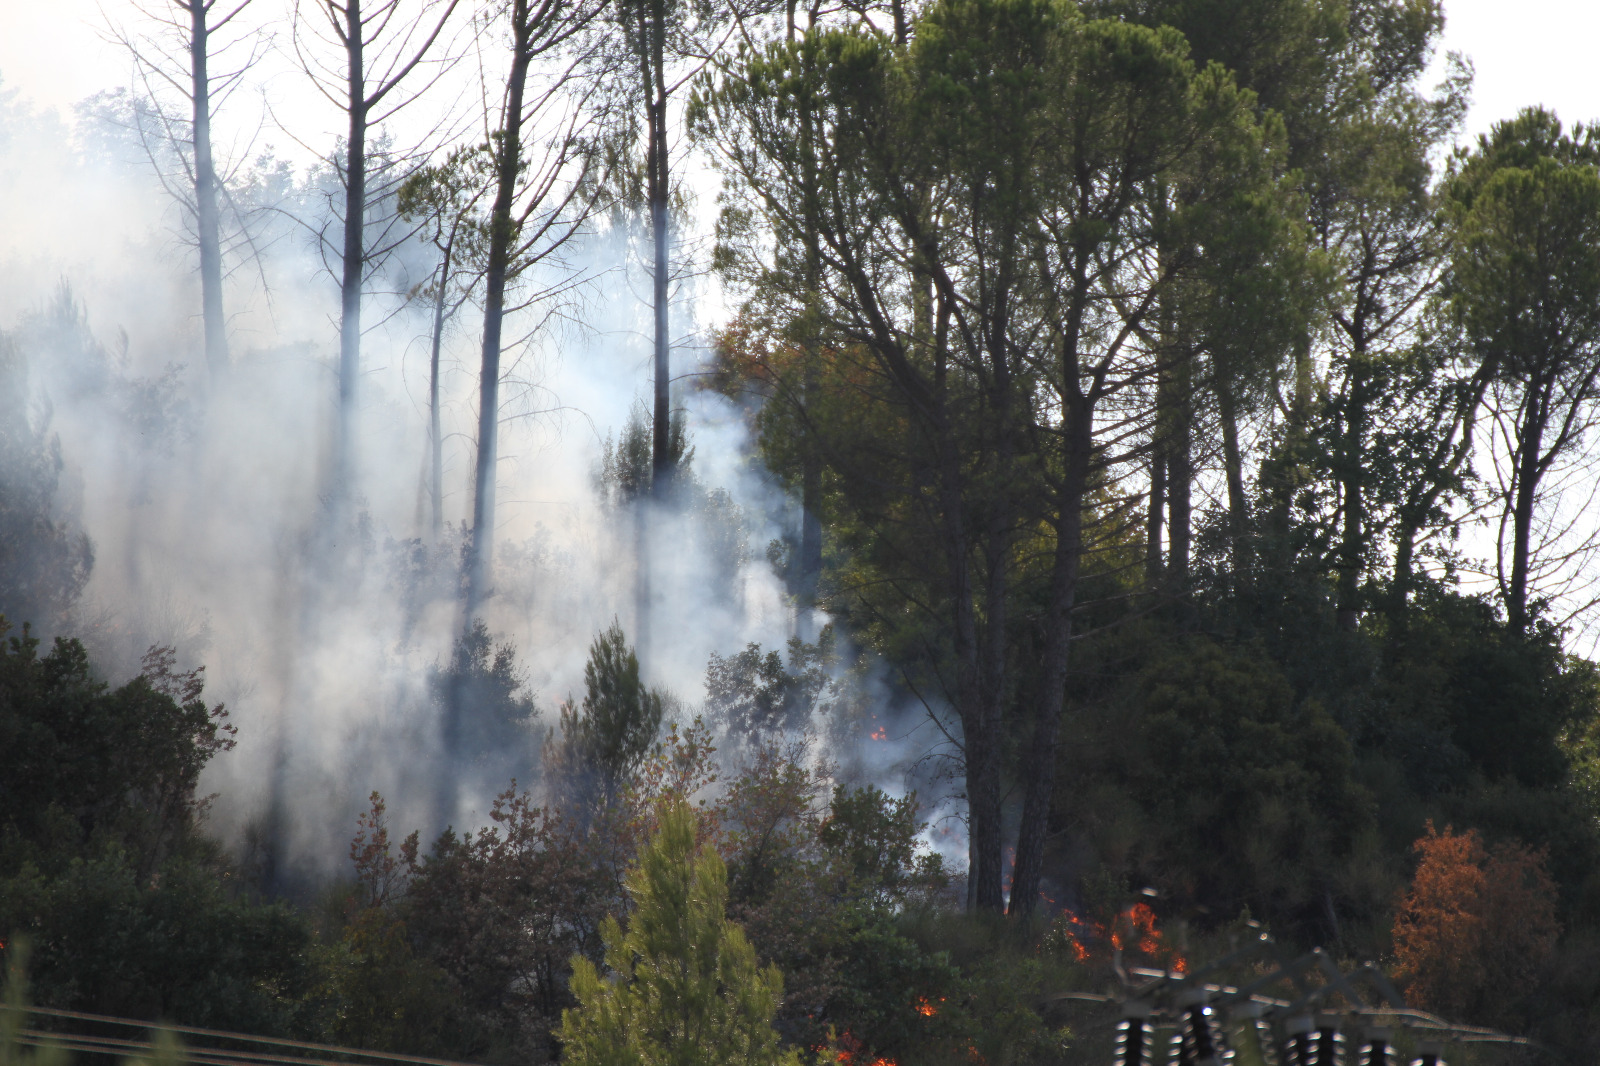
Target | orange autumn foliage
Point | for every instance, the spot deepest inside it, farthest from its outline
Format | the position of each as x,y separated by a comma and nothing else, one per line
1476,926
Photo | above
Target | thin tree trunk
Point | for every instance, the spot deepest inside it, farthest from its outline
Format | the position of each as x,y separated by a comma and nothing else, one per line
1180,473
1527,494
1280,471
1040,760
500,233
811,512
435,436
1233,470
1405,550
981,750
659,190
355,212
1352,486
641,582
205,197
811,460
1155,516
980,747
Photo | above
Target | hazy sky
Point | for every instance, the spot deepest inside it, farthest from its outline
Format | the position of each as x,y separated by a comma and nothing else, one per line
1533,51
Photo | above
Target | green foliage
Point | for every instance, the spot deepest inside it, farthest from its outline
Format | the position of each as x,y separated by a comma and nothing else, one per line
1248,790
761,699
684,987
100,861
180,943
874,838
1495,699
500,912
611,732
625,463
14,1017
378,994
107,765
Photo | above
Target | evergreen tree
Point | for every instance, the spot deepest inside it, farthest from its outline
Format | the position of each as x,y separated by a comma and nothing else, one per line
610,733
687,990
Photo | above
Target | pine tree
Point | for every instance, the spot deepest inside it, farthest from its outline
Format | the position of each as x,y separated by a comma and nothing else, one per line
685,989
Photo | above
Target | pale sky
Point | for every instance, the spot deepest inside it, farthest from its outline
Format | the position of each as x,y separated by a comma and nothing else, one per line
1532,51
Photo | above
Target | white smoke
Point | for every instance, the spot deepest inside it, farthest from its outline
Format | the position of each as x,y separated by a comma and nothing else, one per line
204,522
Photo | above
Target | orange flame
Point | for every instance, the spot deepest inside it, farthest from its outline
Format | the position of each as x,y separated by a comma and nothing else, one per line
849,1051
1133,930
880,733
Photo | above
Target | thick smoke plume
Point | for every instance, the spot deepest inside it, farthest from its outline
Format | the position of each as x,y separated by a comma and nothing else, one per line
201,497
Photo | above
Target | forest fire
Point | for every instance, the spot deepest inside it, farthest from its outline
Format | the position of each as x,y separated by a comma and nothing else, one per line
850,1052
1133,930
848,1049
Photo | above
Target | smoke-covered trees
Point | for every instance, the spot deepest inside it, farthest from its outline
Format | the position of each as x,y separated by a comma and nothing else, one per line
384,59
179,50
1133,366
606,737
487,717
444,200
543,193
44,560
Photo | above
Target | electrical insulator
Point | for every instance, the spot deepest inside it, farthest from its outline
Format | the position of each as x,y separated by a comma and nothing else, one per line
1301,1045
1374,1049
1327,1047
1135,1036
1428,1058
1252,1036
1203,1042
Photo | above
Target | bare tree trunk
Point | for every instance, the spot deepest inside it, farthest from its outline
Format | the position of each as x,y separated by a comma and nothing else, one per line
1155,515
355,212
1523,502
435,436
1279,474
1040,759
977,706
1233,470
659,189
205,196
1352,485
500,234
811,459
1180,472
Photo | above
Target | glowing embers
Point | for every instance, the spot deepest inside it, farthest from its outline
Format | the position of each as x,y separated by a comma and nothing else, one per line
849,1051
